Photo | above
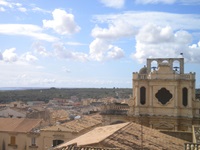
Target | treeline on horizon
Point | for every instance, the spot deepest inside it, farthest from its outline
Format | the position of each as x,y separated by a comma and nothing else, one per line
66,93
63,93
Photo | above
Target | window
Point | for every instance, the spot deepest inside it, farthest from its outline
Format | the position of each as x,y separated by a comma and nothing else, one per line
185,96
142,95
33,141
12,140
57,142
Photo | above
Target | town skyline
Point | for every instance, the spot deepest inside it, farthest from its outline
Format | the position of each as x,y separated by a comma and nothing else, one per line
95,44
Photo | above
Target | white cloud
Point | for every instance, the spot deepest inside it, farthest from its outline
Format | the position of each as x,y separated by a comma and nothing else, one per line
153,34
115,52
37,9
40,49
26,30
151,42
158,34
115,30
63,23
61,52
22,9
194,52
136,20
113,3
9,55
12,5
28,57
5,3
102,50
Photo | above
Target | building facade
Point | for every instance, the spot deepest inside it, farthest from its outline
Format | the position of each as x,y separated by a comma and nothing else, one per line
20,134
163,97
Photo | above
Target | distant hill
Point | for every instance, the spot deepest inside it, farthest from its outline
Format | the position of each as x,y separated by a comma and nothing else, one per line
25,94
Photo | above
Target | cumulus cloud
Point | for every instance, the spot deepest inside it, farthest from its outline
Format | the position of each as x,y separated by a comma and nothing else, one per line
63,23
40,49
26,30
157,34
28,57
194,52
113,3
115,30
9,55
156,41
136,20
102,50
61,52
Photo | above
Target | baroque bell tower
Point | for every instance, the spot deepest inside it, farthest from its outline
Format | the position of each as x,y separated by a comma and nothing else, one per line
164,96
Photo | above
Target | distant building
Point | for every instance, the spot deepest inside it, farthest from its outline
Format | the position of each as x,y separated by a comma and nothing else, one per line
11,113
18,104
35,103
20,134
63,132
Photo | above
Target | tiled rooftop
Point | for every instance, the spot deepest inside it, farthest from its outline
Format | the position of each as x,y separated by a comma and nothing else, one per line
77,125
8,112
22,125
127,136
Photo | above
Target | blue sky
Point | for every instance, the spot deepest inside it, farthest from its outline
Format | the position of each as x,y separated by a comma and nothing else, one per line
93,43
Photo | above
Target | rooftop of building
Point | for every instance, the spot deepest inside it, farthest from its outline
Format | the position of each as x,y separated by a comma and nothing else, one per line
12,112
126,136
19,125
77,125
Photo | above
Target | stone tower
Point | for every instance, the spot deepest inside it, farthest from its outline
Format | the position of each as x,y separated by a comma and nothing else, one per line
164,96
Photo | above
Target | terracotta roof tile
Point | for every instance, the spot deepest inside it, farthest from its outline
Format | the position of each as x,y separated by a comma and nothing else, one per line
78,125
18,124
96,135
128,136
